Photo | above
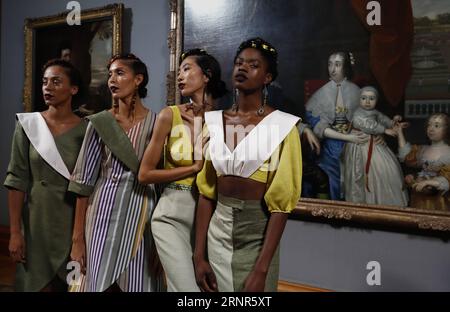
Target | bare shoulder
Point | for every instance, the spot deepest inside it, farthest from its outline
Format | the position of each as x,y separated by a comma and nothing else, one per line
75,118
165,116
182,106
185,112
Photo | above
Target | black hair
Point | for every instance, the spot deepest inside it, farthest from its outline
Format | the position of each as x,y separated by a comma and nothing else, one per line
347,68
74,76
137,66
266,49
210,68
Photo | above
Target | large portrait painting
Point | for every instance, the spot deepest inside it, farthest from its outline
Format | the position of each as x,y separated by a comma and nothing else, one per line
399,177
88,46
428,90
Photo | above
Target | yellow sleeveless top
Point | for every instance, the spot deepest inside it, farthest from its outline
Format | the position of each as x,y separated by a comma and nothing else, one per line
178,151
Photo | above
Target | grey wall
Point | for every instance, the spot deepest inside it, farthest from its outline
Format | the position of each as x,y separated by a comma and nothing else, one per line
320,255
148,38
312,253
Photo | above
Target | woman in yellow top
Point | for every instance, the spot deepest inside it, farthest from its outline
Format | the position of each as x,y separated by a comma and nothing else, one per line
248,188
179,126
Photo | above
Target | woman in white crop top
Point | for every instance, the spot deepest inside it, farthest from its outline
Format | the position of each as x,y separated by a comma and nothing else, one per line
249,183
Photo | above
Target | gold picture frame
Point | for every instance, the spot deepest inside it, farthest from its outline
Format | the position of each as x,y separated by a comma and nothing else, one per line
36,27
393,218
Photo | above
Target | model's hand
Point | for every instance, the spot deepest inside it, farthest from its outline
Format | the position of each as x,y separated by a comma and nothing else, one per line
199,147
312,140
17,247
204,276
255,282
78,253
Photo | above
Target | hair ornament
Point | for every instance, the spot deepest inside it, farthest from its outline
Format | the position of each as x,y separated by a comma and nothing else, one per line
352,58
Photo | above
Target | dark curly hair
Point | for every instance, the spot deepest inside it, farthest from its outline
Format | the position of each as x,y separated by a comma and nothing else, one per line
267,50
137,66
211,68
75,79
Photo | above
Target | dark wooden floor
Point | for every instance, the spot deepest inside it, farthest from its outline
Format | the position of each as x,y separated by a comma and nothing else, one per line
7,270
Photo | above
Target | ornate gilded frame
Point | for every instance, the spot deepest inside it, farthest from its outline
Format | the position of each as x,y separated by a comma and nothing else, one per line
113,11
175,44
337,212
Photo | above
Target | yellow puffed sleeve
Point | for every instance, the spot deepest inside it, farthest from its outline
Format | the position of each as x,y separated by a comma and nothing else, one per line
207,178
285,178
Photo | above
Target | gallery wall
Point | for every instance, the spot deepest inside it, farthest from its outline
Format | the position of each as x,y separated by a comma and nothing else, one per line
146,29
315,254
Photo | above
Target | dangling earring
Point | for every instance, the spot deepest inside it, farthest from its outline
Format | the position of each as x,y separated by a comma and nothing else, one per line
133,103
260,111
204,99
235,106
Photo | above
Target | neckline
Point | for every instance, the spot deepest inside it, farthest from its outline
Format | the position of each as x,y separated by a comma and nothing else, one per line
245,137
62,133
132,127
439,144
338,84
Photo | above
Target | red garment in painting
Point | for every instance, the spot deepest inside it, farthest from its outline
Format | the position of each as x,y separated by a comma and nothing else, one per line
390,45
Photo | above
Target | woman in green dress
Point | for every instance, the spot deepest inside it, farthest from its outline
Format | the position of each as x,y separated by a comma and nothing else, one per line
44,151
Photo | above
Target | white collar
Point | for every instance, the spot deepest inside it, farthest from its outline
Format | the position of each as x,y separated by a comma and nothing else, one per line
41,138
254,149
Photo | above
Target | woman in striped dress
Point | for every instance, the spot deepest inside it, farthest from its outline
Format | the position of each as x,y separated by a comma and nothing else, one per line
111,238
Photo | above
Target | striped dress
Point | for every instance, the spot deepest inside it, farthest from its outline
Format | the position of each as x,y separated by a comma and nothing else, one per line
117,233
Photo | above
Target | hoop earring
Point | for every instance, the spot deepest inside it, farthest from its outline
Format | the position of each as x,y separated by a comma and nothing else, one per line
261,111
235,106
